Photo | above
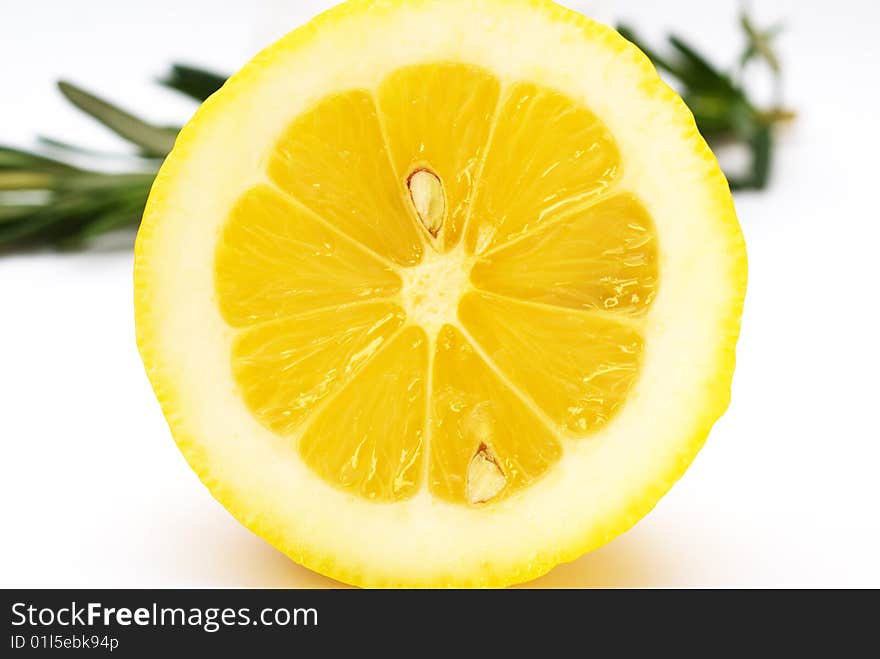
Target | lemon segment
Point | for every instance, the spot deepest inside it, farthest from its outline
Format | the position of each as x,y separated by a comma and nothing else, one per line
438,117
548,153
473,409
361,444
275,260
603,257
285,368
333,159
578,368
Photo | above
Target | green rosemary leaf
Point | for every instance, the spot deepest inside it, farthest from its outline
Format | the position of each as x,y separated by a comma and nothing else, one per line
44,223
698,71
760,44
154,140
24,180
761,147
15,212
125,213
77,150
19,159
629,34
721,117
76,204
777,115
195,82
103,183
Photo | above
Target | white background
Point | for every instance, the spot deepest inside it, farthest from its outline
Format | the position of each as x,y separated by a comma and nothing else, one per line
94,492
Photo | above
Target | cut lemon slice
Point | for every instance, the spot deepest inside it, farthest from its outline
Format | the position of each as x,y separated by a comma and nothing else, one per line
441,292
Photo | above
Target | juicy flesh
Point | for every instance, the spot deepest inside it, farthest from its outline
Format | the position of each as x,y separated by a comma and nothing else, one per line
394,360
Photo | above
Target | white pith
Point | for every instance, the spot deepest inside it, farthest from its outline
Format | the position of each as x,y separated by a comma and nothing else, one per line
599,478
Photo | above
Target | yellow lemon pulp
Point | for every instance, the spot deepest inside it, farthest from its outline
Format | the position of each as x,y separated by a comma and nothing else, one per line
440,292
391,361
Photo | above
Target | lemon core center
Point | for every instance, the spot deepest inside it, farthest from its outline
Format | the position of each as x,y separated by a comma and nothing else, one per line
432,290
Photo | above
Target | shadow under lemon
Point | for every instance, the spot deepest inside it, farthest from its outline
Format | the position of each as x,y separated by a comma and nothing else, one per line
634,560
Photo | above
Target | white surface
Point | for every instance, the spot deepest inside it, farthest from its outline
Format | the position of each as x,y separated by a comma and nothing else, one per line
786,492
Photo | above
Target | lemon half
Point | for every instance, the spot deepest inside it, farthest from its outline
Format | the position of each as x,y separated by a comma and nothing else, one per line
440,292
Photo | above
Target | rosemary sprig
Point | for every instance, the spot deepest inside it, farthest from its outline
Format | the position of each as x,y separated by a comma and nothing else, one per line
196,83
723,111
45,200
152,140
